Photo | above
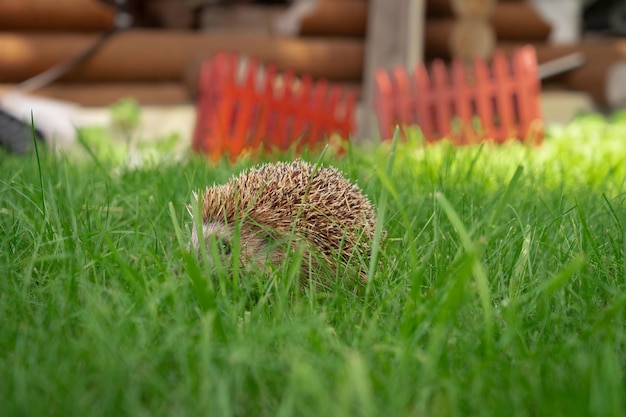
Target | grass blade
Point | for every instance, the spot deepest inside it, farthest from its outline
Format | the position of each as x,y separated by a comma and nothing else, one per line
480,275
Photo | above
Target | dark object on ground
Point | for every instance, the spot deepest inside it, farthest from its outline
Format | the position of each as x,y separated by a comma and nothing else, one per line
15,135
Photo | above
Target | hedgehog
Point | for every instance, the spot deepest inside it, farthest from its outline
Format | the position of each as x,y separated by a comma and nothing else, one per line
285,207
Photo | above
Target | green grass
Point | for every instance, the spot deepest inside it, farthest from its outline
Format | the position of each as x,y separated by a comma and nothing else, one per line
500,289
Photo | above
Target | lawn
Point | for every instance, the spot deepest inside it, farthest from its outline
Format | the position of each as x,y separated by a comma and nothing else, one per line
499,290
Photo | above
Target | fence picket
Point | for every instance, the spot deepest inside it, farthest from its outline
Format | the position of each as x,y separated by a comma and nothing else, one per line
346,118
317,106
462,100
383,106
484,98
423,102
440,97
404,100
302,116
523,61
246,103
503,95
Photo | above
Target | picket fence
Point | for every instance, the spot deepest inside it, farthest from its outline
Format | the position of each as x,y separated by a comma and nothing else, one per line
245,107
465,104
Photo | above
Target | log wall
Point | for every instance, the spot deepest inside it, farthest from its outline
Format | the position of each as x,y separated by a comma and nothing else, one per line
329,43
156,55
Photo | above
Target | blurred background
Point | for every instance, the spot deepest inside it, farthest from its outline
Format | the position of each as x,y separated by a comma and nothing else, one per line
150,50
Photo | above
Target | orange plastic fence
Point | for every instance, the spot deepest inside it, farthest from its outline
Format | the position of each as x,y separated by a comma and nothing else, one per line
466,104
244,106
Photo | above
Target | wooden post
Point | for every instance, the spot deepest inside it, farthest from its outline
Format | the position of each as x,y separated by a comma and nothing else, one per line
394,37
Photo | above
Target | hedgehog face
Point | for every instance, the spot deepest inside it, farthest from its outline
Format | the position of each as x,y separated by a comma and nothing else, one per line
254,249
213,233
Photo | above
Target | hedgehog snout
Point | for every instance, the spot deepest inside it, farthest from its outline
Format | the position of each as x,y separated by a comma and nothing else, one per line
250,244
212,233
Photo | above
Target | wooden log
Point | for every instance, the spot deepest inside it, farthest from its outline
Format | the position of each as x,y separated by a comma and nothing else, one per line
145,55
171,14
512,20
336,18
519,21
437,34
506,24
438,8
238,18
603,75
58,15
324,18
